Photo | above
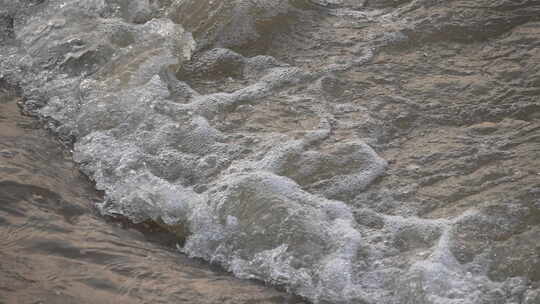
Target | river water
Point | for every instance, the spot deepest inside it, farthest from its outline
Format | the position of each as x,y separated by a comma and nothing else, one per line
347,151
55,248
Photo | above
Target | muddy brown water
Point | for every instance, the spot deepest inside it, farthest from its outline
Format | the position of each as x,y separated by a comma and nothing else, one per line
54,248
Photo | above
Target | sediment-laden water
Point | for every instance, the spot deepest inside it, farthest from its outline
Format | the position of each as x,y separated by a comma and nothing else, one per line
348,151
54,247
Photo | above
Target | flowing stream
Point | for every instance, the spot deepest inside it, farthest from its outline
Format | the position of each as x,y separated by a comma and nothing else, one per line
55,248
345,151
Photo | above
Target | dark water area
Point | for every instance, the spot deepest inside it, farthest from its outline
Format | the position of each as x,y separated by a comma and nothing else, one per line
55,248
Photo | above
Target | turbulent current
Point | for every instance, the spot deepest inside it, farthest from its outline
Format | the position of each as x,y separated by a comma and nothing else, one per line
349,151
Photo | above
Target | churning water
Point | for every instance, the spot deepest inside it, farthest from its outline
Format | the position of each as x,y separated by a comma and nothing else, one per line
239,127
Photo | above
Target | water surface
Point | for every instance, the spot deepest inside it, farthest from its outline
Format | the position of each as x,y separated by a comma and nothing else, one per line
55,249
